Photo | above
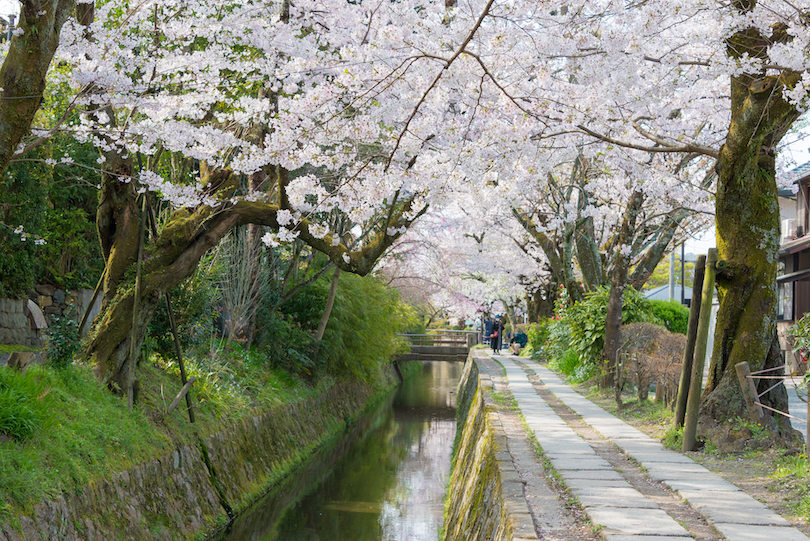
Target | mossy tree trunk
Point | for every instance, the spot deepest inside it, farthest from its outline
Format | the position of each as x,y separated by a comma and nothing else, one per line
22,77
174,254
540,302
618,281
748,240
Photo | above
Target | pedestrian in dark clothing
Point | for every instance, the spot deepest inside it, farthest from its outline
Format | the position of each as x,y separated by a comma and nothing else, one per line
495,337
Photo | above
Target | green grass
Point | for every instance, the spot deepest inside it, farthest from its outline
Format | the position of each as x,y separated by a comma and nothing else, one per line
9,348
504,400
83,431
79,432
792,475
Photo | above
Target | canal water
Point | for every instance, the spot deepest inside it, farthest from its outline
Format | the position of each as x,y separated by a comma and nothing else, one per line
384,480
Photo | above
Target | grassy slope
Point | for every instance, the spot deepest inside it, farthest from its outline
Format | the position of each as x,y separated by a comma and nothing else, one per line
84,432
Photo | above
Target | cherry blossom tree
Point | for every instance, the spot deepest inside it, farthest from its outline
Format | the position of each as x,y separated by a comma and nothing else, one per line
287,111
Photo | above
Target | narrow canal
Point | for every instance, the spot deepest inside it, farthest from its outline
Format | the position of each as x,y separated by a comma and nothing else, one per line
385,480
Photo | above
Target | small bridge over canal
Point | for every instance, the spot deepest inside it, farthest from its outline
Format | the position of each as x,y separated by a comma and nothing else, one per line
440,345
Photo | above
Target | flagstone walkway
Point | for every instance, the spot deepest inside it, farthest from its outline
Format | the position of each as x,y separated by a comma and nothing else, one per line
620,511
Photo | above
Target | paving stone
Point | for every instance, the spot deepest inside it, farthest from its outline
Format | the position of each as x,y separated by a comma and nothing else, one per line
639,522
553,448
602,496
622,537
662,471
574,484
580,462
747,532
635,445
589,452
712,483
596,475
660,456
731,507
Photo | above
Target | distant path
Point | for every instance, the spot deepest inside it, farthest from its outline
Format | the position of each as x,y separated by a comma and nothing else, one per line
797,407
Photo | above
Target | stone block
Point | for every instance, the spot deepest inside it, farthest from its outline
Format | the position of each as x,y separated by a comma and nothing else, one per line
59,296
36,318
19,360
45,289
640,522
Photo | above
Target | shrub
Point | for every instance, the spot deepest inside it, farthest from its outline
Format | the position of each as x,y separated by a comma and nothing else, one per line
363,329
649,353
673,315
800,334
306,306
287,344
194,303
559,339
538,334
586,321
22,204
566,363
63,340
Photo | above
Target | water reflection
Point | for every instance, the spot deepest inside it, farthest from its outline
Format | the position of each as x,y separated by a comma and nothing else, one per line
385,481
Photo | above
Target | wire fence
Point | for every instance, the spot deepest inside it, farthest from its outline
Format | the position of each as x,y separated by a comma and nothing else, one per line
781,379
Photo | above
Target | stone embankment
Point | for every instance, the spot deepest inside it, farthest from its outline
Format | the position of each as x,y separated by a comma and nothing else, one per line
485,497
197,487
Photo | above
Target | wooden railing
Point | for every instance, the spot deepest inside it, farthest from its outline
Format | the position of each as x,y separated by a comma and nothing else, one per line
444,337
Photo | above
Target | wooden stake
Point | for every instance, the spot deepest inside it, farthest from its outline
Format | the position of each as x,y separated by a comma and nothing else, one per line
691,334
183,392
170,311
749,391
696,384
136,306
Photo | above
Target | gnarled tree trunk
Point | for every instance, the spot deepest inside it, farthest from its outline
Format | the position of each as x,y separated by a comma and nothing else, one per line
748,244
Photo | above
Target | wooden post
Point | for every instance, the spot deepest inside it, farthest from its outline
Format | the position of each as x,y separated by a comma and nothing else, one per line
691,334
183,392
696,385
93,300
136,306
170,311
179,354
749,391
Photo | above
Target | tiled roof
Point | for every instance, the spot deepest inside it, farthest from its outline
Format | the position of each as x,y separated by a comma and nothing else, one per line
801,171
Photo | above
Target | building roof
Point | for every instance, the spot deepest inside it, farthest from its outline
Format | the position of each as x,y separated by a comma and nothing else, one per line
661,293
795,245
799,172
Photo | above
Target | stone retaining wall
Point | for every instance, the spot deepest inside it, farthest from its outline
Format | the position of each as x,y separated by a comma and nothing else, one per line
485,497
177,497
23,321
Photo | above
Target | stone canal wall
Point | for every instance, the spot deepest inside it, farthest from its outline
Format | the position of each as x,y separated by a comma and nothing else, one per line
485,498
191,491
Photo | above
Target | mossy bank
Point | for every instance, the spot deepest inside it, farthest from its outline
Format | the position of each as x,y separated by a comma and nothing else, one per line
485,498
201,475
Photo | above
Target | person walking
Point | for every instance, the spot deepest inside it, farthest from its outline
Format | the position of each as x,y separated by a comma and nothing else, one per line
495,337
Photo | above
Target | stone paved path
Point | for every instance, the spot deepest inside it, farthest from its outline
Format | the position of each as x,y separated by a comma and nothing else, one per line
622,512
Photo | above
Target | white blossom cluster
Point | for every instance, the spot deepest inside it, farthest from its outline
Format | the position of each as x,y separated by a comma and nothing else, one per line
374,102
